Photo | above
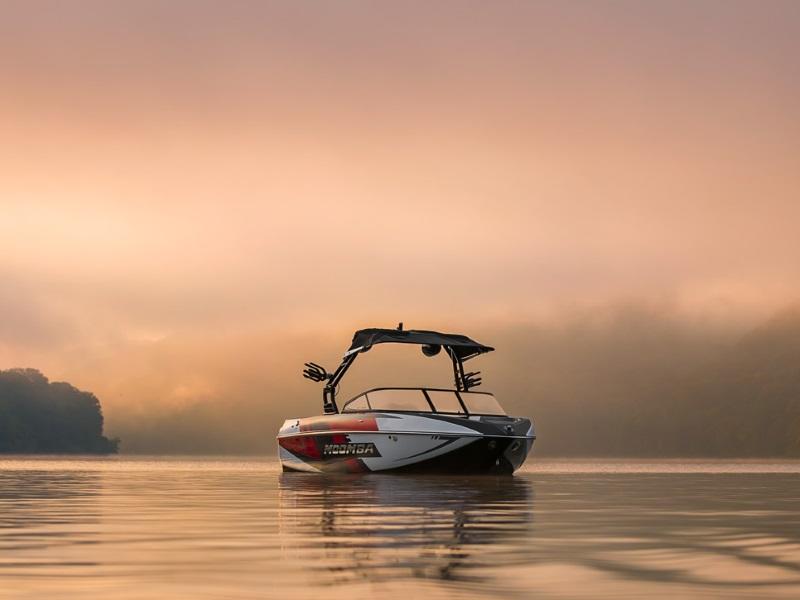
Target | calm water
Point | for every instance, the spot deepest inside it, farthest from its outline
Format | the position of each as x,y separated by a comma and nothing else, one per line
219,528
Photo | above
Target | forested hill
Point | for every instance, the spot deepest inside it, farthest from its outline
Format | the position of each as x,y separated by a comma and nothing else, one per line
39,416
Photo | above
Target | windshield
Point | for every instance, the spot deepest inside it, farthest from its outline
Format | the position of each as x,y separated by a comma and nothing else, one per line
391,399
416,400
480,403
446,401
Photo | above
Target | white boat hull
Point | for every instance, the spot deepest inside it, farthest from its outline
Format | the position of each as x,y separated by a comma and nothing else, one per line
391,441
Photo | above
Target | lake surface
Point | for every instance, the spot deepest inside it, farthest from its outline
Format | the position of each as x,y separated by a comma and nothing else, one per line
124,527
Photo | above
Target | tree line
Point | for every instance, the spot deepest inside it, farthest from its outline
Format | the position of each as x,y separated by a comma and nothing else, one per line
42,417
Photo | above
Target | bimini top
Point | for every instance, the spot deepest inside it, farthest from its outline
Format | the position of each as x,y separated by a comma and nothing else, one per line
461,345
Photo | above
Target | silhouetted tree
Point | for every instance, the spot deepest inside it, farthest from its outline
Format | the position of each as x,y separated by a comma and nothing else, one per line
37,416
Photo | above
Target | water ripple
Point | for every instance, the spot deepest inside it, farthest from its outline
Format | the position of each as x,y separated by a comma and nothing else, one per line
129,528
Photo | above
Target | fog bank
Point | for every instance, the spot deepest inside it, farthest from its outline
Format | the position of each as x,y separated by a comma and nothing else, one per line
624,381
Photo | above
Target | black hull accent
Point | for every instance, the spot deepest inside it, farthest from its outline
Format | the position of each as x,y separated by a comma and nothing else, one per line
483,456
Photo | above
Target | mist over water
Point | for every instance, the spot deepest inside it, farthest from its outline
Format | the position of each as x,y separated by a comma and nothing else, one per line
625,380
125,528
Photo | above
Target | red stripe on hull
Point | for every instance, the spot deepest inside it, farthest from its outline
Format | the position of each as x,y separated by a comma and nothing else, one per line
301,445
339,423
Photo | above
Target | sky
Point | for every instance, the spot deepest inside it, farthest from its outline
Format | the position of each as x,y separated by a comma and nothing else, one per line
199,187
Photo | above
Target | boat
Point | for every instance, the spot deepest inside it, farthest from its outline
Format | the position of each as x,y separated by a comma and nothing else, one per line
407,429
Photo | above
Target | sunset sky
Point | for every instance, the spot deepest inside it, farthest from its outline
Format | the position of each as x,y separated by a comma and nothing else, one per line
186,183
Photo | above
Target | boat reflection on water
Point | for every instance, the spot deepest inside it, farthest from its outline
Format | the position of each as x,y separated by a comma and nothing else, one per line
378,527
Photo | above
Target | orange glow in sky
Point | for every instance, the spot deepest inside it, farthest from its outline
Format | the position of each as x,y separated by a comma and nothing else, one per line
205,175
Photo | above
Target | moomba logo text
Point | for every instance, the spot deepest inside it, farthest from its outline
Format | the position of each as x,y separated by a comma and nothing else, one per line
361,450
